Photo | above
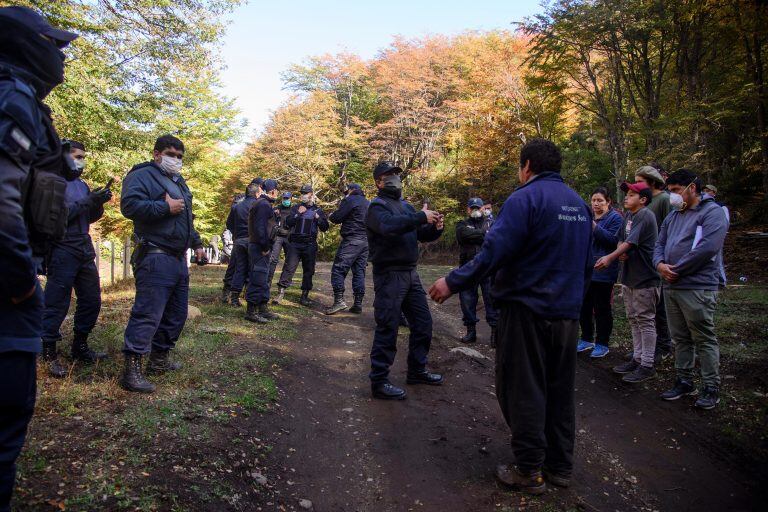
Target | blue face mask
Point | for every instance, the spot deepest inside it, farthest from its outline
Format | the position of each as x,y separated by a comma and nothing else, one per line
286,202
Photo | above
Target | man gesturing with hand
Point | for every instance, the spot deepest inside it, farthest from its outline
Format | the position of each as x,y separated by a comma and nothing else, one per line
538,251
394,230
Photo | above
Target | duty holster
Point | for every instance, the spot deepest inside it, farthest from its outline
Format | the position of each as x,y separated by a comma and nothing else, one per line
138,254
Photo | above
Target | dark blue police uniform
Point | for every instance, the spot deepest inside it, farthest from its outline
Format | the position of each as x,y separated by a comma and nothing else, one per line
162,277
303,244
262,219
352,252
30,67
394,229
470,234
281,243
237,223
71,264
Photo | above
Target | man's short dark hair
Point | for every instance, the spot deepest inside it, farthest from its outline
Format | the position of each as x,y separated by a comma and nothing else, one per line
73,144
685,177
252,190
543,156
168,141
646,193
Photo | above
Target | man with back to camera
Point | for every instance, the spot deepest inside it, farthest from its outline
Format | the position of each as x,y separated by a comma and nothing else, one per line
470,233
539,251
353,249
262,223
237,222
31,66
394,230
71,265
228,243
156,198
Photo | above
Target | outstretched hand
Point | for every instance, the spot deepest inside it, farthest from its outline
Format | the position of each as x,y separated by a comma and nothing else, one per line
439,291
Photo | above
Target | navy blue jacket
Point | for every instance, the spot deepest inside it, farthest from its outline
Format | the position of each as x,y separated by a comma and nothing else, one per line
261,219
395,229
605,240
351,215
538,248
470,234
304,226
237,221
143,201
82,213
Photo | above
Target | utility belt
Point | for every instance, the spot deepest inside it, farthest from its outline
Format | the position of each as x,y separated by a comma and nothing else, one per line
158,250
143,249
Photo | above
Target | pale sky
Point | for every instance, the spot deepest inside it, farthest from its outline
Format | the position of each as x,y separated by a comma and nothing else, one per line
265,38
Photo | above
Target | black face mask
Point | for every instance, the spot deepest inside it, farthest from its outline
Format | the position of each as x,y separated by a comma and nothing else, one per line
39,59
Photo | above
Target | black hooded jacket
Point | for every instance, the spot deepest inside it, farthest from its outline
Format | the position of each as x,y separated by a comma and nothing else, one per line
351,215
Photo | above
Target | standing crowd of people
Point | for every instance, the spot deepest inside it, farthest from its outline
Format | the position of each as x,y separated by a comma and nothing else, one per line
546,268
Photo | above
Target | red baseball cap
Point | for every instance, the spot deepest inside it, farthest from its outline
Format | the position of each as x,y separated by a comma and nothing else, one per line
635,187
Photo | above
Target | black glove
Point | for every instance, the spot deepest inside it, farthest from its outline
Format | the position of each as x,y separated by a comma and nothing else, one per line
100,196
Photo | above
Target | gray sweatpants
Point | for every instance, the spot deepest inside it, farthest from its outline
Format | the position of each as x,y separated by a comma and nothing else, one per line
641,313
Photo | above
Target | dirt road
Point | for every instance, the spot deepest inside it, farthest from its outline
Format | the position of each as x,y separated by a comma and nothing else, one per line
335,446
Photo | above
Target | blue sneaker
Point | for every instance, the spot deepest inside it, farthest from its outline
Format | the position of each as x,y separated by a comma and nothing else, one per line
599,351
583,346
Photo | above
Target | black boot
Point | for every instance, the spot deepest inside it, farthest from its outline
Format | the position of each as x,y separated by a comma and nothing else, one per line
252,314
471,335
234,299
82,352
225,294
266,313
305,300
358,306
51,358
280,295
494,339
133,379
338,304
160,362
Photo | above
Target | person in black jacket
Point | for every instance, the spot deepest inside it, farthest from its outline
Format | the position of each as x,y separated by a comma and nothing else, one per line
281,243
262,225
237,223
305,220
353,249
71,265
31,65
228,237
470,234
394,229
156,198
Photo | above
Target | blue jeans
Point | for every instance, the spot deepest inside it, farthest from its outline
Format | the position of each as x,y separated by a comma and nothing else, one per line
240,266
351,254
396,291
65,272
304,252
160,308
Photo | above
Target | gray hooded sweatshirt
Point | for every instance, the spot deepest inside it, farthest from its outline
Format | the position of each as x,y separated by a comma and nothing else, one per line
692,241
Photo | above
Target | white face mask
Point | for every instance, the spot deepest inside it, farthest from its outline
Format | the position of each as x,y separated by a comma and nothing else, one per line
306,198
487,213
676,200
476,214
170,164
80,164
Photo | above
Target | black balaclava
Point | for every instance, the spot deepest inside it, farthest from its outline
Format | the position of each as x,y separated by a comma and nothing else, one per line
37,59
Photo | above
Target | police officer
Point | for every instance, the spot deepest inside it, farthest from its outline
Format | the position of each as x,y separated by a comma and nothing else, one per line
229,242
470,234
353,249
262,226
304,221
31,65
394,230
237,222
539,250
71,264
156,198
281,242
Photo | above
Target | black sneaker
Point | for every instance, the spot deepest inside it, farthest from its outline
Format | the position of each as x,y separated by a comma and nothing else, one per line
425,377
627,367
386,391
710,397
681,388
557,479
641,373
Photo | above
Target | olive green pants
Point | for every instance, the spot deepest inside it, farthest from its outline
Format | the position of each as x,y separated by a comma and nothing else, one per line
691,317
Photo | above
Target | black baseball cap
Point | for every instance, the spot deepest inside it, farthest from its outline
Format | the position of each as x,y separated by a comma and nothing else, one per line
269,185
36,22
353,186
475,202
306,189
386,168
287,195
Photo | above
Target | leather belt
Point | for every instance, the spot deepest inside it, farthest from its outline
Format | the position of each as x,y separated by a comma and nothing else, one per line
159,250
